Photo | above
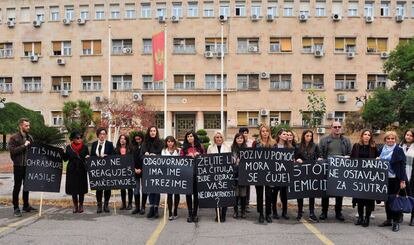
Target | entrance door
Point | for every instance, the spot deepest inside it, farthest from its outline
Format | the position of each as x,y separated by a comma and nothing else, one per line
184,123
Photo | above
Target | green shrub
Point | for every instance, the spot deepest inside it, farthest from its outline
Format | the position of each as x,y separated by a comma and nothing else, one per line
201,132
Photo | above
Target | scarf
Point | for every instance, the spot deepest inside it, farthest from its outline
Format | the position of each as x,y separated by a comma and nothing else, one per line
100,154
77,147
386,154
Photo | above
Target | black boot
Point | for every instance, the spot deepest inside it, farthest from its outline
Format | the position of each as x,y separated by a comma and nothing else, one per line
156,214
151,213
236,212
99,208
190,216
359,221
136,210
243,207
106,207
144,201
412,220
123,205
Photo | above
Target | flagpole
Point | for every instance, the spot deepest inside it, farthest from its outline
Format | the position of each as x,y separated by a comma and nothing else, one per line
165,82
109,82
222,80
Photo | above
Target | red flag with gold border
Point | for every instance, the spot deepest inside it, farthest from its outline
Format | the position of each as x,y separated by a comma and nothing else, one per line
158,52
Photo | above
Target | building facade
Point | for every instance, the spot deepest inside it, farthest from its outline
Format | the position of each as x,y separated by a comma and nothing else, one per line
274,52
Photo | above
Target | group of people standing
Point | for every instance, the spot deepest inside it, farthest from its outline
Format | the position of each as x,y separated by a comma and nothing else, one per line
400,173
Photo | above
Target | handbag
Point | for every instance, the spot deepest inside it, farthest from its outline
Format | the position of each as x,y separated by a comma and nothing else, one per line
400,204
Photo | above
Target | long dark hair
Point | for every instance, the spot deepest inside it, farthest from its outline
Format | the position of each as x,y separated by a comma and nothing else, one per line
197,143
303,147
148,141
287,143
403,141
293,143
235,148
371,142
172,139
118,143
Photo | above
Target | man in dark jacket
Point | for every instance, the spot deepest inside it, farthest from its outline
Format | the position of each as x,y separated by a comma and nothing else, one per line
18,144
334,144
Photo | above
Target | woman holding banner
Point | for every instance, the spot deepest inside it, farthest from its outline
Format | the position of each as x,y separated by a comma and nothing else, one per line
219,146
239,142
76,173
152,146
102,148
136,144
307,151
171,149
291,138
281,142
365,148
397,177
123,148
264,140
193,148
407,144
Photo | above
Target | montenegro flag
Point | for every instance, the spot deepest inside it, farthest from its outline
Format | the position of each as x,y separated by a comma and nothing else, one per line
158,52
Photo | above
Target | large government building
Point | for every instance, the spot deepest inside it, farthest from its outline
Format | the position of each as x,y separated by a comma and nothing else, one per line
275,51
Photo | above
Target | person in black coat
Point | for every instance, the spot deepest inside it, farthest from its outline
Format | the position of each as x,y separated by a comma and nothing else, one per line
76,171
123,148
102,148
136,144
152,146
397,177
365,148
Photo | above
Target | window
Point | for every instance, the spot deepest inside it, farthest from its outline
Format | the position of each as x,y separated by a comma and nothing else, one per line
161,10
337,7
84,12
280,44
345,81
224,8
148,84
122,82
192,9
61,83
159,120
6,50
11,14
376,81
214,44
147,46
369,9
184,82
279,117
280,81
401,41
24,14
212,121
6,85
184,45
99,12
377,45
247,81
240,9
32,48
208,9
121,46
213,81
385,8
256,9
130,11
57,118
145,10
312,81
304,8
114,11
353,9
32,84
412,9
247,45
400,10
91,47
288,8
62,48
312,44
40,14
91,83
272,8
54,13
320,9
339,116
177,10
247,118
345,44
69,13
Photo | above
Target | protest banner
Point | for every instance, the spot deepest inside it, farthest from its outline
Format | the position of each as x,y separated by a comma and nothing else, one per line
168,174
111,172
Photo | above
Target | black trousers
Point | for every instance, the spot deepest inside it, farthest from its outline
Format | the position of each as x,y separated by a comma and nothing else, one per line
393,188
268,200
19,173
106,193
170,202
311,205
338,205
130,196
192,201
283,198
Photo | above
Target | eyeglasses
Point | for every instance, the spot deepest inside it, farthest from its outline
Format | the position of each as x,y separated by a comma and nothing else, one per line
78,138
336,127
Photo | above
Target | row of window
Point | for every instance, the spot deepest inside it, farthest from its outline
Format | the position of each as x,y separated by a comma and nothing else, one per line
239,8
187,82
375,45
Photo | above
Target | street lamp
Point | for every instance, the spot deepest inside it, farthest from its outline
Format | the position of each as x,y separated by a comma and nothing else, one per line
2,101
360,101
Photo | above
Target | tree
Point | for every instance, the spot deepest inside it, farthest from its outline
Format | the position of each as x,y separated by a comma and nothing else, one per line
77,115
47,135
354,122
315,110
400,66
